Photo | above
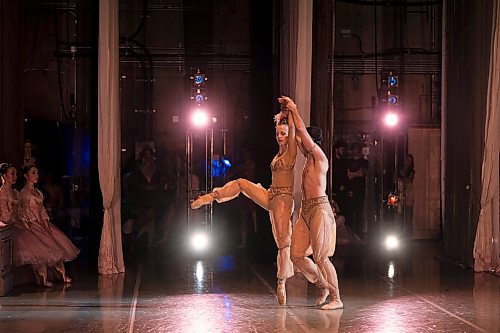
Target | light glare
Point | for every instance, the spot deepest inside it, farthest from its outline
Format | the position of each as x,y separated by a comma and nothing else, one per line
199,241
200,118
391,242
390,271
391,119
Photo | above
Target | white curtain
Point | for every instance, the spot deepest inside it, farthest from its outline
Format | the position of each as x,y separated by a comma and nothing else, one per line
486,244
110,251
296,67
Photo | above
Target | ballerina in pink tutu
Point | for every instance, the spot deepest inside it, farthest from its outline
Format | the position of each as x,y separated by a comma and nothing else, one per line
57,248
27,248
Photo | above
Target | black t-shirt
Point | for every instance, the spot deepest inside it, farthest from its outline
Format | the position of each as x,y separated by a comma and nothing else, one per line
339,173
357,184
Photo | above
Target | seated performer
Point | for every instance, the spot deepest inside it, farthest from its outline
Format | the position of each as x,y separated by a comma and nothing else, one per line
316,225
8,195
278,200
26,247
53,246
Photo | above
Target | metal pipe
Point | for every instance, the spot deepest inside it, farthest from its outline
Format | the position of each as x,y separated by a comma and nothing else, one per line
444,54
332,106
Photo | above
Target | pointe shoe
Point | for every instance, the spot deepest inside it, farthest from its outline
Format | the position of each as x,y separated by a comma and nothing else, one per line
2,224
322,297
67,279
201,201
333,305
48,284
42,282
281,293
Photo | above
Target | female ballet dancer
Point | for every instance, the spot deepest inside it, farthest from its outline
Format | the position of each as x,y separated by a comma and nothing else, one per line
278,199
32,214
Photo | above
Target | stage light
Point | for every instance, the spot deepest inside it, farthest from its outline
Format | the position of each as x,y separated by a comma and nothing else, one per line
392,81
393,200
200,118
199,98
392,99
226,162
200,241
391,242
391,119
199,87
199,78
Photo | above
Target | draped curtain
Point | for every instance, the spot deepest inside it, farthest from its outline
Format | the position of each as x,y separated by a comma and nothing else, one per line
295,66
486,244
110,252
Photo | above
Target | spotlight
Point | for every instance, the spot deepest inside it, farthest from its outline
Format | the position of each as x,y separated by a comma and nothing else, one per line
391,119
391,242
199,241
200,118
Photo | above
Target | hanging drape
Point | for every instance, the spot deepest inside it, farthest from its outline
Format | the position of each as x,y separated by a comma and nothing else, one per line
110,252
295,66
486,244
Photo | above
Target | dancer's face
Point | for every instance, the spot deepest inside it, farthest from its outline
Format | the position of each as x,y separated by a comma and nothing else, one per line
32,175
282,134
11,176
28,148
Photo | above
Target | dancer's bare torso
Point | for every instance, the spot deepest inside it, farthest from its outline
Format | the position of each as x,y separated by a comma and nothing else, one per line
313,174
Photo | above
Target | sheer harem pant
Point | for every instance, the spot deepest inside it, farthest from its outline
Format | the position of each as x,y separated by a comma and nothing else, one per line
280,209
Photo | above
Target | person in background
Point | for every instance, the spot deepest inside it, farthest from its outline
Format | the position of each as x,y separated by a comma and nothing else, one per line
340,180
357,167
28,154
27,249
405,184
53,247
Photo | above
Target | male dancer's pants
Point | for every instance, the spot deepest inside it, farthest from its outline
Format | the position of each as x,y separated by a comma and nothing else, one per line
316,229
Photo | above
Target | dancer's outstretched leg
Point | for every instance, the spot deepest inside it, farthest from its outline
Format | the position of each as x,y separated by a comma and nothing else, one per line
280,212
231,190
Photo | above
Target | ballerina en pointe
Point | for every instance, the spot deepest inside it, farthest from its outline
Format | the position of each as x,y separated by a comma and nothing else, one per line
281,293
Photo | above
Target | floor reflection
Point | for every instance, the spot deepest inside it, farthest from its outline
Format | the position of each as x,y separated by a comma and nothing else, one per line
232,293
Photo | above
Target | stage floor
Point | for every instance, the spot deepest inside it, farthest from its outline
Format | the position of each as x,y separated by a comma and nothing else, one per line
168,290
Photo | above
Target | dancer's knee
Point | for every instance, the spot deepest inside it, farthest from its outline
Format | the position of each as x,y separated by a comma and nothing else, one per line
296,259
283,243
320,259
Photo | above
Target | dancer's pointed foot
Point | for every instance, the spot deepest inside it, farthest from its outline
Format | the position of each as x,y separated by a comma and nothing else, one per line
67,280
333,305
281,293
2,224
201,201
322,297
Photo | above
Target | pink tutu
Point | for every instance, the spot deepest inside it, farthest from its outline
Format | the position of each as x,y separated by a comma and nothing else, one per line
37,246
29,250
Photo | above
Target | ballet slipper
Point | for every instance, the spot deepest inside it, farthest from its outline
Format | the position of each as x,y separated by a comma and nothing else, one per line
333,305
41,280
62,272
322,297
281,293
